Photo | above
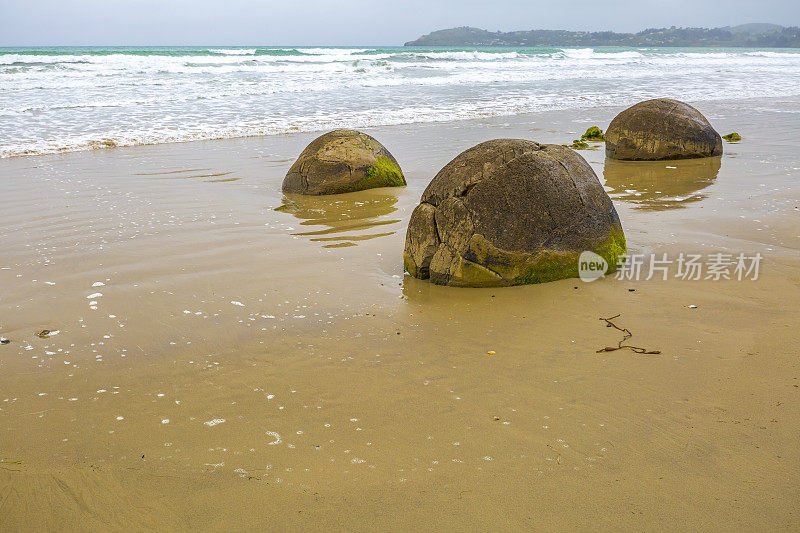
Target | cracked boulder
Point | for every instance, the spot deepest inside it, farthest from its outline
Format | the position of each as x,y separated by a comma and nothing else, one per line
343,161
511,212
661,129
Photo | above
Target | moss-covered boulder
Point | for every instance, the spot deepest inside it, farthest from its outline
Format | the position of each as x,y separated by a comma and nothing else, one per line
661,129
343,161
732,137
510,212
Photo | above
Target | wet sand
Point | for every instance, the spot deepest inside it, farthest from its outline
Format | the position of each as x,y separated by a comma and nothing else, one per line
230,358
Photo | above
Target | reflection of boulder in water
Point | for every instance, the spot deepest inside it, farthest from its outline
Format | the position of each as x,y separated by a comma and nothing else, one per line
660,185
342,220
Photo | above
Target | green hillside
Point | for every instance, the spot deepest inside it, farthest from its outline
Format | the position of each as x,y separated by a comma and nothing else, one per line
746,35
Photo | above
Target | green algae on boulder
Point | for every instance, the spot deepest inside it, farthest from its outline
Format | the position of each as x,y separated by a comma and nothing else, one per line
511,212
343,161
593,134
661,129
732,137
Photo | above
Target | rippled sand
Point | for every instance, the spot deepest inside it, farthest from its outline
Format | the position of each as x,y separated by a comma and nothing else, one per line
228,357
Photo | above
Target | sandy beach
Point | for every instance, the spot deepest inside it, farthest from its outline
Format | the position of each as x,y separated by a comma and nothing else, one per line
225,357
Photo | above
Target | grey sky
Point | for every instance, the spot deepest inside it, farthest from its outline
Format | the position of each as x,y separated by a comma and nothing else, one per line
349,22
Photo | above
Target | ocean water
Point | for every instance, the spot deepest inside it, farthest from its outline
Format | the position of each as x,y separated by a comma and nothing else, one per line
64,99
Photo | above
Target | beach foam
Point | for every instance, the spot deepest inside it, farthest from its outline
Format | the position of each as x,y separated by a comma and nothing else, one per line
64,99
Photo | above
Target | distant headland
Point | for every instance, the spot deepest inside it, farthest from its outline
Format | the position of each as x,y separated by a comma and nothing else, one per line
758,35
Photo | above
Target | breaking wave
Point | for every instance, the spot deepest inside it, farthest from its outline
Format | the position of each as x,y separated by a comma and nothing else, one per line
63,99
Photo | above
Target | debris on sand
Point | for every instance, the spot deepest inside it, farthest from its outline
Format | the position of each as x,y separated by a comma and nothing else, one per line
626,335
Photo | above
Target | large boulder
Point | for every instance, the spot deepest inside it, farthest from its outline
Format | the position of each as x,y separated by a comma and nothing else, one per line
510,212
661,129
343,161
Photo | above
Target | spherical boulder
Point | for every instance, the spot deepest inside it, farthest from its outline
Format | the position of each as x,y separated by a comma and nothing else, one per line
343,161
661,129
511,212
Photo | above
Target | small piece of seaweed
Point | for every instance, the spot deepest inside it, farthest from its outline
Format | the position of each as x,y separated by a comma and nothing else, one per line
626,335
578,144
18,462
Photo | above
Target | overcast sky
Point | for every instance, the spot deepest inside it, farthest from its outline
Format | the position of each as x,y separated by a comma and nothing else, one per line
349,22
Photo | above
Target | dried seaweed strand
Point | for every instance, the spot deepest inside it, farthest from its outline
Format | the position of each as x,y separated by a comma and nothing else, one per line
626,335
5,462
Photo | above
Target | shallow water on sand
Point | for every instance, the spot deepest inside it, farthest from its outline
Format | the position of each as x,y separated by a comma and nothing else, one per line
228,357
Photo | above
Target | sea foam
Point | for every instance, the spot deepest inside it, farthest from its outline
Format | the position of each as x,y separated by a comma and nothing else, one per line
66,99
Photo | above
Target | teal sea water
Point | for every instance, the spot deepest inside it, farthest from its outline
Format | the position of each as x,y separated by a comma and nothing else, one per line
63,99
